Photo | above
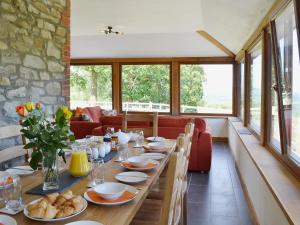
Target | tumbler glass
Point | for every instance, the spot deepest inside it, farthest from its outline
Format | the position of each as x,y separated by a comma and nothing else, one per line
98,172
12,190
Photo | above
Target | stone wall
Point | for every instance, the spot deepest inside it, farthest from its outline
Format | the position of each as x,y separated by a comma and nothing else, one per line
34,55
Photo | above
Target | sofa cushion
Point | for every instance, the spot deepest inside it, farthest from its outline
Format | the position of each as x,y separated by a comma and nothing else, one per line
167,121
111,120
94,112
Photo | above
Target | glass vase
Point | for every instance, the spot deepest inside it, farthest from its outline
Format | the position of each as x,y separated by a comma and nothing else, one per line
50,171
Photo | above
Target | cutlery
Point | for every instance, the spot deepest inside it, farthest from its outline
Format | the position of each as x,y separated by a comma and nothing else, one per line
16,168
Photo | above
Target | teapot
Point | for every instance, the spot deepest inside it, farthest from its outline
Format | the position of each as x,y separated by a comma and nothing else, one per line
123,138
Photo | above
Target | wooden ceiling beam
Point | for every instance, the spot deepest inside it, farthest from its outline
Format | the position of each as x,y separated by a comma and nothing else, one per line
216,43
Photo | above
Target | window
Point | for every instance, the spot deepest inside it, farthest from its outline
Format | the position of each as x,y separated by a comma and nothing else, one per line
146,88
290,79
91,85
255,87
273,103
242,86
206,88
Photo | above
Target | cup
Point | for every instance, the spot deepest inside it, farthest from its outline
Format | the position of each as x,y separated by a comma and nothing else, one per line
98,172
12,192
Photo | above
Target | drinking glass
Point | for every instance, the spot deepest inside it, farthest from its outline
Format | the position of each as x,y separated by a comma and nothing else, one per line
98,172
12,192
122,152
139,141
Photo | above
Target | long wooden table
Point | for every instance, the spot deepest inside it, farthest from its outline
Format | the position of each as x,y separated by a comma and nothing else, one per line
108,215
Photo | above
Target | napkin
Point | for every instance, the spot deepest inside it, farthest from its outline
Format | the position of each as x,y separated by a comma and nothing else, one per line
125,197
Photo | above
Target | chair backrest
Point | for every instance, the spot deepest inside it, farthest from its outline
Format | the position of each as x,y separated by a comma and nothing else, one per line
148,131
172,190
11,152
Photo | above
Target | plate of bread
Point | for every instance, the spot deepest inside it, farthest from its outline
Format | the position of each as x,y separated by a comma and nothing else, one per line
55,207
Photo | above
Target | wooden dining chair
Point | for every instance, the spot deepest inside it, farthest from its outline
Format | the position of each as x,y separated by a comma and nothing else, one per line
163,212
148,131
13,152
184,141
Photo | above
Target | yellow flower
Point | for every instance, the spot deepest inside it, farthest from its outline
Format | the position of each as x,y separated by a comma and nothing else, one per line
65,109
29,106
68,115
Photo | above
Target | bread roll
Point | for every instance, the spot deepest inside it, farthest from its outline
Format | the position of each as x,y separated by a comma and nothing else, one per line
50,212
51,198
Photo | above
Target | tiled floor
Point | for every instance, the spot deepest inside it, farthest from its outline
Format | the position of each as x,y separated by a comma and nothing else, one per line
217,198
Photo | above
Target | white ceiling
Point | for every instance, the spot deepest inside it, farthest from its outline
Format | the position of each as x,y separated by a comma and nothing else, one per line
162,28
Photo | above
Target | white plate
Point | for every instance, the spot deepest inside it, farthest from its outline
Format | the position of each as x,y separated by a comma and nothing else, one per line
129,188
155,139
52,220
20,170
84,222
154,155
7,220
131,177
142,168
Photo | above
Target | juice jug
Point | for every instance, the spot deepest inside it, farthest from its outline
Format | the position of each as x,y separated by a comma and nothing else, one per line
79,165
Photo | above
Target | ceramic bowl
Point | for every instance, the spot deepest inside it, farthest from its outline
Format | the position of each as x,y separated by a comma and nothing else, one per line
138,161
156,145
110,190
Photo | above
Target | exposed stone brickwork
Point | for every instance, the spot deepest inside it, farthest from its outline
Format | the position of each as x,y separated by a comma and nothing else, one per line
34,54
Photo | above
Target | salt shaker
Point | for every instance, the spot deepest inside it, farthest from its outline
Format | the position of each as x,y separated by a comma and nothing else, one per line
102,150
95,153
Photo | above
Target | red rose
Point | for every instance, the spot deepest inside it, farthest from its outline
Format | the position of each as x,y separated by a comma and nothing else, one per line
21,110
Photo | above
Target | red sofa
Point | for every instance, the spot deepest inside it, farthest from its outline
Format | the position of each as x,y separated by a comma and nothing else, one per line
168,127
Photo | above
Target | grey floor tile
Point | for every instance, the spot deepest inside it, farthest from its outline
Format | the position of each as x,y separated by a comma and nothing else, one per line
225,220
217,198
198,194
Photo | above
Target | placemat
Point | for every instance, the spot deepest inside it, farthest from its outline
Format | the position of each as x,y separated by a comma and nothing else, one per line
244,131
108,157
65,182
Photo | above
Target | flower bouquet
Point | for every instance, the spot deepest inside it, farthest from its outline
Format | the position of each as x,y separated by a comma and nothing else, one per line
47,138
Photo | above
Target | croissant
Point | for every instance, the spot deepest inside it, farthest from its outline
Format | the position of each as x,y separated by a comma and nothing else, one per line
65,211
50,212
60,200
51,198
37,212
77,203
67,195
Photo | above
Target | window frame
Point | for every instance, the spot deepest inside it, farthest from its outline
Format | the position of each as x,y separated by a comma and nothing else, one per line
96,64
234,87
145,63
248,79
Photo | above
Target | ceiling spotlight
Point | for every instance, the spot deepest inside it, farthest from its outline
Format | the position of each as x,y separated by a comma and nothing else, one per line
109,31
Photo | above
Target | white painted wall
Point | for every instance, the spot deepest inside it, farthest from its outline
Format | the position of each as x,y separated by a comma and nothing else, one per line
266,207
218,126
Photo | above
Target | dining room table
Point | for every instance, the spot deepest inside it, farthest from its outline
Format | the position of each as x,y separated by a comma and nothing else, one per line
107,215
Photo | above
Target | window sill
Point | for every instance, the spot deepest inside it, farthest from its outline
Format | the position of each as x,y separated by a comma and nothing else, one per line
282,183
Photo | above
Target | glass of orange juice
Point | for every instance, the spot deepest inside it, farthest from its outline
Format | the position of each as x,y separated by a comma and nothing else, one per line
79,165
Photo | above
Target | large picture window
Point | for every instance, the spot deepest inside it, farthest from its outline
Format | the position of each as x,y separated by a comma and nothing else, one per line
290,78
91,85
255,86
206,88
146,88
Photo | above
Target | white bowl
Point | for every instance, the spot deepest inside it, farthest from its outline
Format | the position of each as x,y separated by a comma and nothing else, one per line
156,145
138,161
110,190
